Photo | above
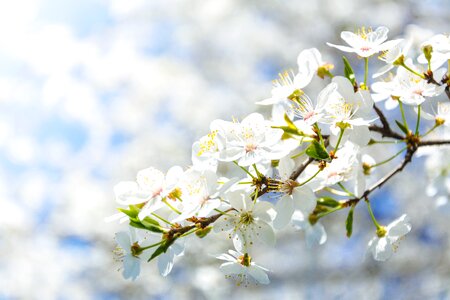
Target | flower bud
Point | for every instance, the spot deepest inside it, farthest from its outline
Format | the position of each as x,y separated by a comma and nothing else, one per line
400,61
427,50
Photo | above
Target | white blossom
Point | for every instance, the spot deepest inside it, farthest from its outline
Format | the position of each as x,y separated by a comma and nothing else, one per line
386,242
242,269
366,42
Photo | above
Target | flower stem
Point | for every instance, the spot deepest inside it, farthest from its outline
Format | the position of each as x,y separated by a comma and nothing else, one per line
244,169
366,71
345,190
311,178
152,245
403,114
412,71
162,219
377,225
389,159
418,120
329,212
299,154
429,131
171,207
339,140
319,133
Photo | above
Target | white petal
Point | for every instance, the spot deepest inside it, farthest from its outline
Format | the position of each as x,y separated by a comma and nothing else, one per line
150,178
342,48
131,267
315,235
230,268
265,233
284,209
123,239
165,263
399,228
382,250
129,193
360,135
304,199
258,274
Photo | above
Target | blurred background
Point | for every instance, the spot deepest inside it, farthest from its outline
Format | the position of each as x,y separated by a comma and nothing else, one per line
92,91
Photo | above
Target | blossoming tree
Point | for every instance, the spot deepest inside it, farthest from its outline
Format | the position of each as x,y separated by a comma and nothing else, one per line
304,163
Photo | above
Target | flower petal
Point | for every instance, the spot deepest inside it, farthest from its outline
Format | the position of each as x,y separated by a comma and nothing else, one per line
284,209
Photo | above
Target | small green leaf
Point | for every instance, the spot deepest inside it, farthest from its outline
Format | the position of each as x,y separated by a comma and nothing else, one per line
317,151
371,142
161,249
348,71
349,222
137,225
289,122
328,201
151,225
402,127
201,233
132,212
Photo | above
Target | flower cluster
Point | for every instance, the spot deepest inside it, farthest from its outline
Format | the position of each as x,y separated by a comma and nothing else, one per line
253,177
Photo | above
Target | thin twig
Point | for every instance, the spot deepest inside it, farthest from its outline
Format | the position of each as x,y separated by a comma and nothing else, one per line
386,132
300,169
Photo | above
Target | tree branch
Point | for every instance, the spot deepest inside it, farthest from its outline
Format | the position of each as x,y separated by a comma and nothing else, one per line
300,169
407,159
434,143
386,132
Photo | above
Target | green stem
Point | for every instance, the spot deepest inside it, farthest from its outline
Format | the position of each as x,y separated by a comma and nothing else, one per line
366,71
429,131
257,172
336,192
345,190
151,246
319,216
403,114
412,71
389,159
299,154
311,178
319,133
418,120
171,207
244,169
339,140
377,225
383,142
162,219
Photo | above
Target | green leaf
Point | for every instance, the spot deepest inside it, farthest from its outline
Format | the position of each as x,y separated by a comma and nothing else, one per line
289,122
371,142
201,233
137,225
328,201
317,151
349,222
348,71
402,127
152,225
161,249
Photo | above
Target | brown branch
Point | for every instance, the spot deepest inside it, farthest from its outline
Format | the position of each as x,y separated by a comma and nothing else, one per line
445,80
300,169
200,223
407,159
386,132
434,143
383,119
